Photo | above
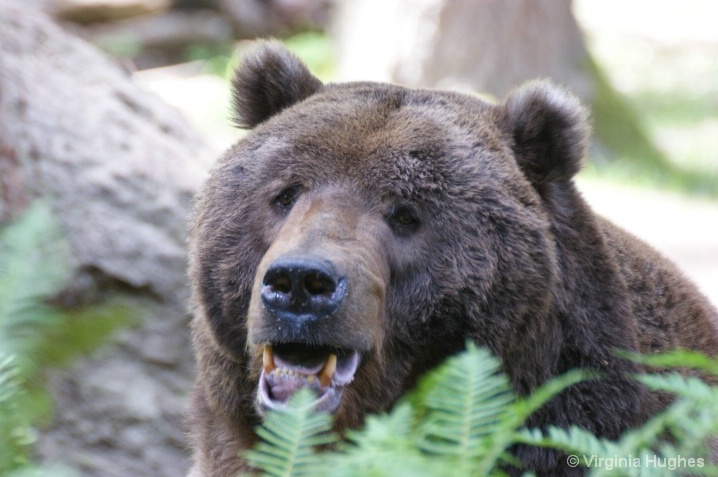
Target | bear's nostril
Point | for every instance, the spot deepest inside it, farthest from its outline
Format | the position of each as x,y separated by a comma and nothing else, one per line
317,283
281,283
301,289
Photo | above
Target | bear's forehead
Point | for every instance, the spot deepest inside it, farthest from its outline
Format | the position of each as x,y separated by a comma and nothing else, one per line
372,116
392,136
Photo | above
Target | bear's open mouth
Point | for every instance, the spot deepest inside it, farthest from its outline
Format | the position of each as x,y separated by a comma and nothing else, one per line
289,367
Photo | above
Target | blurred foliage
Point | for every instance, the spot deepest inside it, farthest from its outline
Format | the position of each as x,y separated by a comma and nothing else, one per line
289,439
678,358
35,335
313,47
659,131
618,128
463,420
316,50
15,432
217,59
121,45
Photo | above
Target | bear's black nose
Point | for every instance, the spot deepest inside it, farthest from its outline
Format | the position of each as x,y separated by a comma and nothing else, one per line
300,289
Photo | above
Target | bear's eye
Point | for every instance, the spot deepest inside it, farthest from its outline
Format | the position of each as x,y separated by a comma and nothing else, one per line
287,197
403,220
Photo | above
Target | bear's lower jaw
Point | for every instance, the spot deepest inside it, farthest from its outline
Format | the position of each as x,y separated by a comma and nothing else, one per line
289,367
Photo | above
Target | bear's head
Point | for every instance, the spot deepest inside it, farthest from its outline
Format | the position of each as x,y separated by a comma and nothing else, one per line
361,233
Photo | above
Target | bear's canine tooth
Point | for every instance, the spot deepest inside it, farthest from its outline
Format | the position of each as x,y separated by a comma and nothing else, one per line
327,372
268,359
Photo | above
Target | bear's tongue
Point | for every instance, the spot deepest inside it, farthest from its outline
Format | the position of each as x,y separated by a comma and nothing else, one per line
292,366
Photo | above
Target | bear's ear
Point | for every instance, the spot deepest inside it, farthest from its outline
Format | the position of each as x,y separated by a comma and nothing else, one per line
268,80
550,131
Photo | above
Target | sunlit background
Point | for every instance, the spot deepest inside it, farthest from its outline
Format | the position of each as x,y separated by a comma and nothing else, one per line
661,58
112,326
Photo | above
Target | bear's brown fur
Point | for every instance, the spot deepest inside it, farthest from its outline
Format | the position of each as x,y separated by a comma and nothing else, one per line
378,228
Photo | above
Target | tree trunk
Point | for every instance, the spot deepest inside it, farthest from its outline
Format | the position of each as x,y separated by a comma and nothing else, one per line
486,46
483,45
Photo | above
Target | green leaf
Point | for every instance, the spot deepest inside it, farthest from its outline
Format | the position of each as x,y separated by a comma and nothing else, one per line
524,407
13,424
678,358
289,438
33,270
466,411
689,387
9,377
84,329
385,447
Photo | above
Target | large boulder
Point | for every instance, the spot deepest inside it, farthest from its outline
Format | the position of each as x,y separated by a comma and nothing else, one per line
119,168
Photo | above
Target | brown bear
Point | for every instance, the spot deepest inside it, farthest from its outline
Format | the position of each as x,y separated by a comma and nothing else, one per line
363,232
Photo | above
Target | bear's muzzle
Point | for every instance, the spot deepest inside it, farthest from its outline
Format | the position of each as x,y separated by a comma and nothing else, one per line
318,300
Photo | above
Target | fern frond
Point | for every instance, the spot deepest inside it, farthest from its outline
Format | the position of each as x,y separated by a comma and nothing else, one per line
383,448
84,329
688,387
289,438
524,407
466,410
575,440
588,450
26,276
384,431
678,358
32,269
640,443
647,435
9,378
13,428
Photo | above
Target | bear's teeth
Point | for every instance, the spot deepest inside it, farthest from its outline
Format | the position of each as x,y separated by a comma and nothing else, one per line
325,375
327,372
268,359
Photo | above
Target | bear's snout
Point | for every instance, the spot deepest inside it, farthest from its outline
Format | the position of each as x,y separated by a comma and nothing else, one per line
301,301
296,290
323,279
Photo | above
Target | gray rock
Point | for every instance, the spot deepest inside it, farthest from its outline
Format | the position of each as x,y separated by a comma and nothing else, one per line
119,168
